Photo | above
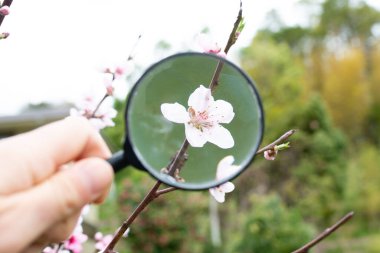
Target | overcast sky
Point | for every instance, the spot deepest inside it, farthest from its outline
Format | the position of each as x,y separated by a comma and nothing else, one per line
57,47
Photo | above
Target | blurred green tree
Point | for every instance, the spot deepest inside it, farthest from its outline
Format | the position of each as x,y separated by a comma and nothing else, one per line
272,227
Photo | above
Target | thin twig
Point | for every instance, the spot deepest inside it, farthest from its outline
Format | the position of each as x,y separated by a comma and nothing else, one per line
130,56
324,234
283,138
166,190
7,3
232,39
98,105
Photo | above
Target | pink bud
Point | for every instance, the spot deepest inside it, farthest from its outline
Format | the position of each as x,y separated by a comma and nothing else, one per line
108,84
5,10
110,90
119,71
270,154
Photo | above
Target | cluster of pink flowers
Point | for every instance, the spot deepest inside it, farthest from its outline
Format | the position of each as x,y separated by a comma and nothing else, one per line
100,116
98,113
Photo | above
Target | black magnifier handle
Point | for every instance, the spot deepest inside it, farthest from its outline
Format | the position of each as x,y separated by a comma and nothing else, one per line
124,158
118,161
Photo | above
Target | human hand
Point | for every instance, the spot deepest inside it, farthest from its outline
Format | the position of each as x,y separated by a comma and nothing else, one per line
46,177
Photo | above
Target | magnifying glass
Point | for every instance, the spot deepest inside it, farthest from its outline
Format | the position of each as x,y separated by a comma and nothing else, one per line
156,131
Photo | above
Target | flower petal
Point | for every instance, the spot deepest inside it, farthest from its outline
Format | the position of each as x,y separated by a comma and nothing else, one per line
223,165
217,194
200,99
270,155
221,111
175,112
227,187
205,42
194,136
220,136
225,168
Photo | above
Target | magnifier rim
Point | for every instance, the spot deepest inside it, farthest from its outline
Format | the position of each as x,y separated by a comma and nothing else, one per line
194,186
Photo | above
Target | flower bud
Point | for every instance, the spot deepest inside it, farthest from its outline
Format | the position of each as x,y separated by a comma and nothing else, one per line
5,10
270,154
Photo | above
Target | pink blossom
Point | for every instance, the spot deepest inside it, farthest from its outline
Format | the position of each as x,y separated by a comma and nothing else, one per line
270,154
108,84
102,241
202,119
75,241
5,10
209,46
224,169
101,118
118,70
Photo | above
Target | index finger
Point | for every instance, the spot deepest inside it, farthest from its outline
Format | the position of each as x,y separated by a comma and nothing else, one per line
30,158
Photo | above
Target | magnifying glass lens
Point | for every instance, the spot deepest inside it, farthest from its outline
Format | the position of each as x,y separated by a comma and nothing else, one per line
156,133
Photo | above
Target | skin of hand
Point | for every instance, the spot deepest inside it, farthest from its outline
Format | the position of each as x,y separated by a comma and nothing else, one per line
46,177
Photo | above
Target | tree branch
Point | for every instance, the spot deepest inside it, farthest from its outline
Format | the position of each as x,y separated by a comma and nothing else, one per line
166,190
126,224
232,39
283,138
324,234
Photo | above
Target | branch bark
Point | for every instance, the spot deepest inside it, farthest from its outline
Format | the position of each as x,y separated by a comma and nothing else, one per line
324,234
283,138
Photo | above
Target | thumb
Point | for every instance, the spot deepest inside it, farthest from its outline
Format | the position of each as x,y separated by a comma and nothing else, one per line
62,195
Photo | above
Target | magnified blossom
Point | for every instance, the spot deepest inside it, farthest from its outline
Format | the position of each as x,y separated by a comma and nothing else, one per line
202,119
225,169
209,46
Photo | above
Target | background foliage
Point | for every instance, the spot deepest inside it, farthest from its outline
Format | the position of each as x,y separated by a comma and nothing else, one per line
323,80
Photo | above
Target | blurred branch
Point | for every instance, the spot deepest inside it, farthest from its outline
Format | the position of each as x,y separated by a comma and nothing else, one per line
283,138
7,3
324,234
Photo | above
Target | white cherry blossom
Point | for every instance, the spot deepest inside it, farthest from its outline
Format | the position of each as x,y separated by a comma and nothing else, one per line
224,169
203,118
